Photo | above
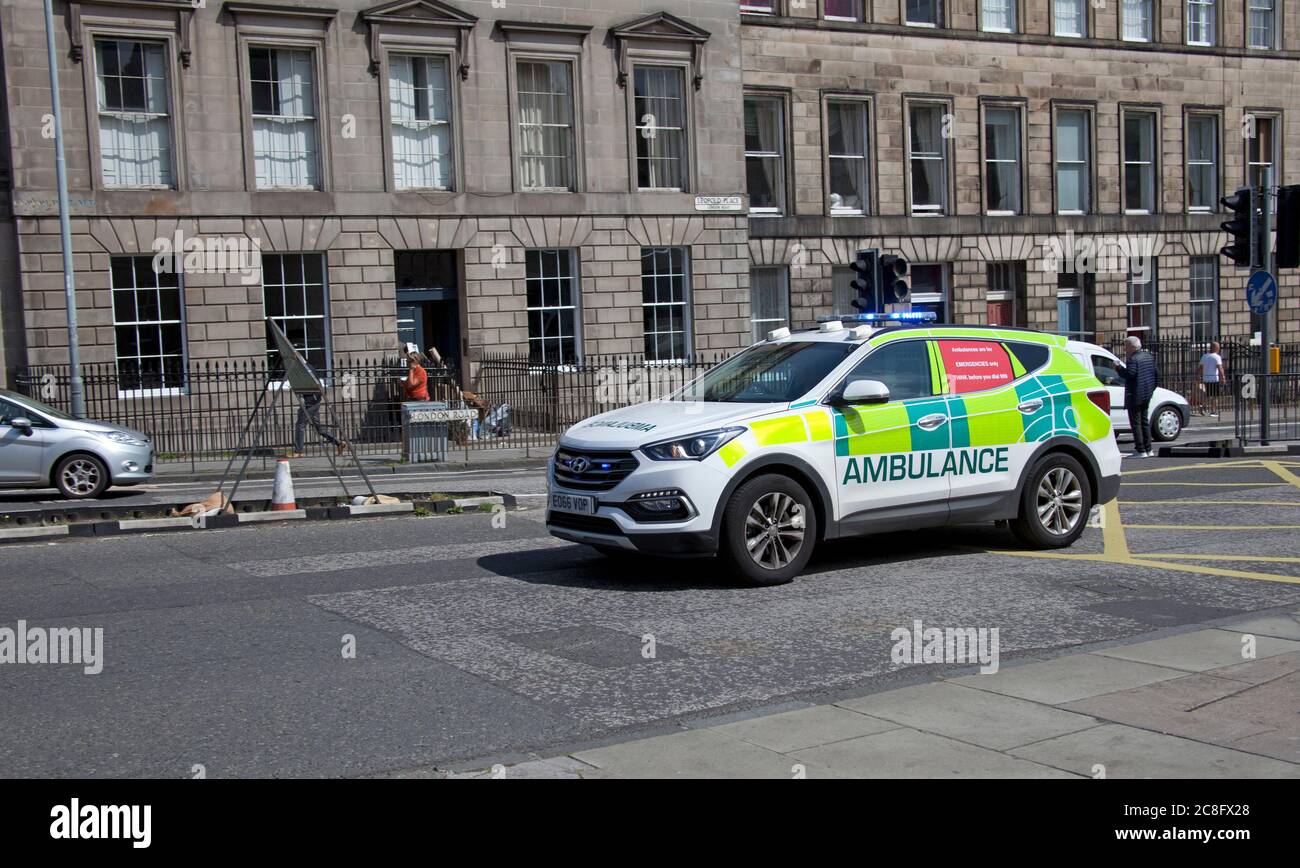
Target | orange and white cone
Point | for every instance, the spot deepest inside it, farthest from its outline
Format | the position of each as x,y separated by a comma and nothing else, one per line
282,493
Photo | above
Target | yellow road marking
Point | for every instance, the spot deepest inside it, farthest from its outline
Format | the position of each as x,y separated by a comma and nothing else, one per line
1276,467
1114,543
1115,548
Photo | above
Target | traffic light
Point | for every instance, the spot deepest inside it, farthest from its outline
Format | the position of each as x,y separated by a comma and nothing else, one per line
1241,204
1288,227
865,298
893,279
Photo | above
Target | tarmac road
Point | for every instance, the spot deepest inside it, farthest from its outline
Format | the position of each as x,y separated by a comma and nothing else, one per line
226,649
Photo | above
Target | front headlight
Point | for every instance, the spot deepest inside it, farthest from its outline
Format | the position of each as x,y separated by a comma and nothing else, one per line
123,437
696,447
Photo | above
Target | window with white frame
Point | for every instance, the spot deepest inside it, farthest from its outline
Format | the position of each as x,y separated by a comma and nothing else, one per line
134,107
1143,295
285,139
1002,160
1262,150
1203,284
769,299
1202,161
846,156
841,10
546,124
666,303
924,13
296,299
930,289
1073,169
1136,26
758,7
765,154
1261,23
928,157
552,286
998,16
1070,17
1139,162
148,324
659,96
1074,305
420,112
1200,22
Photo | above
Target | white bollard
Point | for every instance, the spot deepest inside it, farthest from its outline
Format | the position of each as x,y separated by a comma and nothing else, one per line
282,493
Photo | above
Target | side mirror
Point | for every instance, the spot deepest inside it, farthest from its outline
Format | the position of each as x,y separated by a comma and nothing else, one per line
865,392
22,423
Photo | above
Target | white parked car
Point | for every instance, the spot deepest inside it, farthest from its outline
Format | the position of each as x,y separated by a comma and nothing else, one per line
1170,411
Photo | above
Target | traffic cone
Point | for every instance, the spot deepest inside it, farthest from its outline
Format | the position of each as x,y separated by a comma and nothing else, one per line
282,493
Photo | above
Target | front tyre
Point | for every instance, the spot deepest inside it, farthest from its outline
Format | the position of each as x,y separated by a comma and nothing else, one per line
1055,503
769,529
80,477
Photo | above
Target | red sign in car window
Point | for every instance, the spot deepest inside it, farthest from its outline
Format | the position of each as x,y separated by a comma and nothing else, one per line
975,365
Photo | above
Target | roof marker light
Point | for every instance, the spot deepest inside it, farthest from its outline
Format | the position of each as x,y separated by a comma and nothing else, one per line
831,326
861,333
778,334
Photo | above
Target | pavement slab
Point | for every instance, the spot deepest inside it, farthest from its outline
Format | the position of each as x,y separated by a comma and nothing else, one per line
804,728
986,719
1199,650
697,753
1058,681
1118,751
907,753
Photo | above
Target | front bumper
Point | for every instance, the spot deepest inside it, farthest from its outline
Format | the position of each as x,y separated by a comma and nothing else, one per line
127,464
615,526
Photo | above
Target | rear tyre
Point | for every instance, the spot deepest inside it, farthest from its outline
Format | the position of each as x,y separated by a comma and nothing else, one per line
1167,424
769,529
1055,503
80,477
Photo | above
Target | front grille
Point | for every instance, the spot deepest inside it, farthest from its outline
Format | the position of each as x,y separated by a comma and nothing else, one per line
604,469
587,523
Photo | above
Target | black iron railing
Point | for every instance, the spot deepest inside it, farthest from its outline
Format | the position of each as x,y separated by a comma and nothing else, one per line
1283,407
519,402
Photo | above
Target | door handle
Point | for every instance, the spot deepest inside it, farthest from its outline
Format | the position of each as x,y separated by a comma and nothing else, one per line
1031,406
929,423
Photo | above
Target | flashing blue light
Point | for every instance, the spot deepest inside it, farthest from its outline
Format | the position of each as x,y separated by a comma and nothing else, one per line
896,316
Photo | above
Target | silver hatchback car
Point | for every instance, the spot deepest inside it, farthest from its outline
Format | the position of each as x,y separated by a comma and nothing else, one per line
41,447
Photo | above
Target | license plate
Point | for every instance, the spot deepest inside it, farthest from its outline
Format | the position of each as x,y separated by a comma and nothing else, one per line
574,503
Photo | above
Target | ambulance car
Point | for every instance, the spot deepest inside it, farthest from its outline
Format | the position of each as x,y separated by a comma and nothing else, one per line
880,423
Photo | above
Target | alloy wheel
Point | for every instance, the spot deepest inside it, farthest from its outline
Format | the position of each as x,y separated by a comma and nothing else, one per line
774,530
81,476
1060,501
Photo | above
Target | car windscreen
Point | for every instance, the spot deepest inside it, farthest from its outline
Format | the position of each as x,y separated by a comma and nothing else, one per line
46,409
768,373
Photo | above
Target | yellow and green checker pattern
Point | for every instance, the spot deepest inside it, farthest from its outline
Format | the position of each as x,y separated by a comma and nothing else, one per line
988,418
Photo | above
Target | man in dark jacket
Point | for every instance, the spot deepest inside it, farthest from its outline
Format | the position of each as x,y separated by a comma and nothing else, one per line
1141,376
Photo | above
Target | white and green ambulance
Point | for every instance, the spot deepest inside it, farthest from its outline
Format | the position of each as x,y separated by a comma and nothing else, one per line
850,428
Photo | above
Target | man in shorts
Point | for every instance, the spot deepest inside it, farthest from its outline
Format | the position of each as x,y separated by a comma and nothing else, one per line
1212,380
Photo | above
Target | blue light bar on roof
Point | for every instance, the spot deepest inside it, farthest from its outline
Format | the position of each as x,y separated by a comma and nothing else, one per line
896,316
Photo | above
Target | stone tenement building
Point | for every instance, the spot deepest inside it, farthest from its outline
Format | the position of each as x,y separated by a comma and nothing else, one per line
980,137
569,179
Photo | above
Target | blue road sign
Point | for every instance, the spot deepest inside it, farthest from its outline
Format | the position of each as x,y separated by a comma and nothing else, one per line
1261,292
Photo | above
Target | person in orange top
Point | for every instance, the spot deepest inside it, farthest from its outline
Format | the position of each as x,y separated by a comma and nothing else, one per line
416,382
